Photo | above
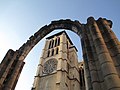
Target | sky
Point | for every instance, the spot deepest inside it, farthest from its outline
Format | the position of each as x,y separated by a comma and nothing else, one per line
19,19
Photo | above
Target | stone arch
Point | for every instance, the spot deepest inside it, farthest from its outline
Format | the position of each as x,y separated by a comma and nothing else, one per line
98,43
74,26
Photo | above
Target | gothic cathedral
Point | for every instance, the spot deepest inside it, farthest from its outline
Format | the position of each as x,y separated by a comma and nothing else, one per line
59,68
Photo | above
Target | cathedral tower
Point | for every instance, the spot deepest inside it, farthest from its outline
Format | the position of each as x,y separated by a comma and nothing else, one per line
58,68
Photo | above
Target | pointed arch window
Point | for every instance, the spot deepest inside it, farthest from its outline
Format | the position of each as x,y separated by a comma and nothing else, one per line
52,43
48,54
57,50
82,80
52,52
58,42
49,45
67,44
55,42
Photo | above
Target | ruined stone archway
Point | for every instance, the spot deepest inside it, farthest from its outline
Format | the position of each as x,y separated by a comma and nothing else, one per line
74,26
97,39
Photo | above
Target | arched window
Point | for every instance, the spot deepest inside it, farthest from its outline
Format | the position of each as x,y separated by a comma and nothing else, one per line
81,83
49,45
67,45
55,42
52,43
48,54
57,50
58,43
52,52
82,80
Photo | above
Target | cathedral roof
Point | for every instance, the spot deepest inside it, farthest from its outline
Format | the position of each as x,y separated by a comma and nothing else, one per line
57,34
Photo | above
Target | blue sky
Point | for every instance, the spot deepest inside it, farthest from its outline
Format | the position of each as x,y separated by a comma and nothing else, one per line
19,19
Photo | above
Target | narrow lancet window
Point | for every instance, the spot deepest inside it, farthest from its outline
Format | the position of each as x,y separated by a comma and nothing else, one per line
67,45
52,43
57,50
52,52
48,54
49,45
55,42
58,43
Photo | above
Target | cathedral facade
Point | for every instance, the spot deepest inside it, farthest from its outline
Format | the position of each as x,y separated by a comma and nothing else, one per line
59,68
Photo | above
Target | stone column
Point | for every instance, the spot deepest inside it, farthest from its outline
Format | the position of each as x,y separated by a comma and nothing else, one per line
91,60
6,61
8,68
87,70
111,41
111,78
15,75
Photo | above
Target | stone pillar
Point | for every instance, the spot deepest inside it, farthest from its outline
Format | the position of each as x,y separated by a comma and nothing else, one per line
6,61
111,41
89,49
7,69
110,75
18,75
14,77
87,71
92,61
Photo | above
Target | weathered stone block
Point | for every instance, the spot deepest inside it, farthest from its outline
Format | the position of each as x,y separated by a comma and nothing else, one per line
94,76
116,60
114,50
104,57
108,69
112,81
101,49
